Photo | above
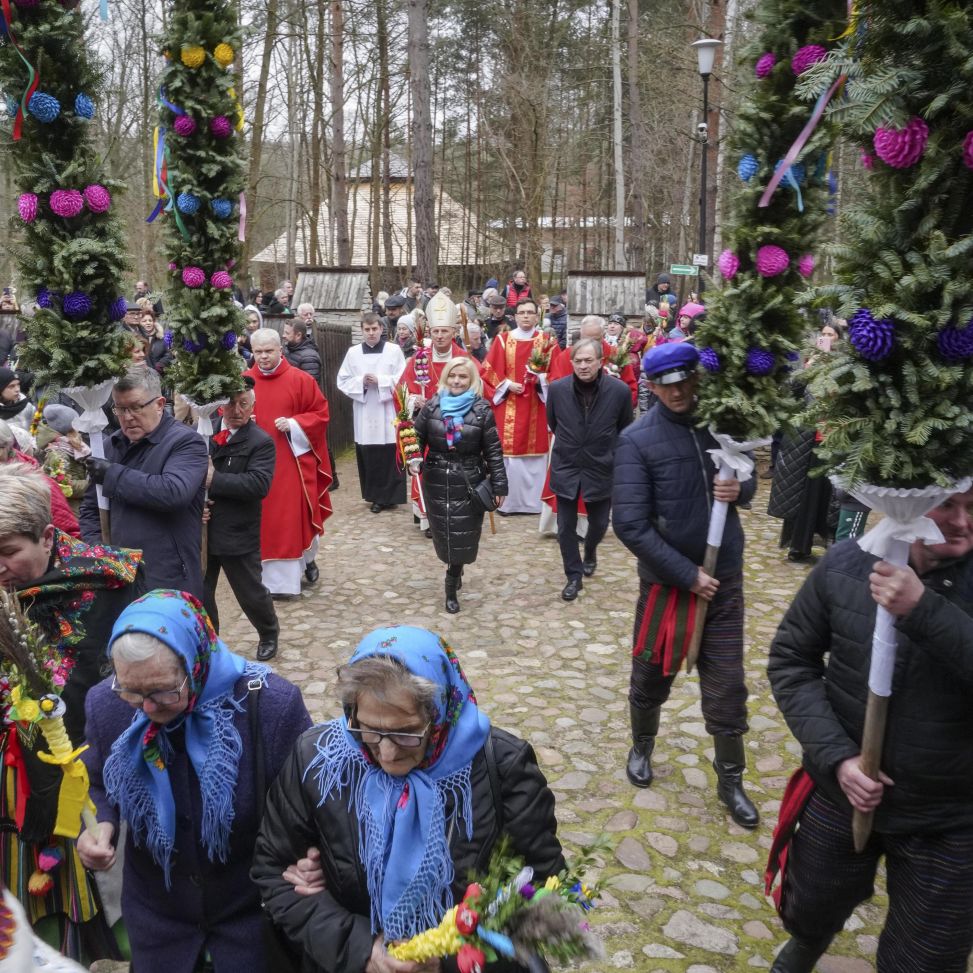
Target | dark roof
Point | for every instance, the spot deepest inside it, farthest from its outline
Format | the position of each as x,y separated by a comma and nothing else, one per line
398,169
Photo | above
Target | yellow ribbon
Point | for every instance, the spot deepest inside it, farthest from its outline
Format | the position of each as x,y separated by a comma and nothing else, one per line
72,798
853,15
239,110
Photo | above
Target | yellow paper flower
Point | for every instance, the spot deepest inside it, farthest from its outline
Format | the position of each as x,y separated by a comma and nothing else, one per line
28,711
224,55
553,883
444,940
193,56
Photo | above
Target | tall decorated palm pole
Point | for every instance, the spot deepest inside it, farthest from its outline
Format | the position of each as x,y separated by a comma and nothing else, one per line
894,406
68,244
753,328
199,177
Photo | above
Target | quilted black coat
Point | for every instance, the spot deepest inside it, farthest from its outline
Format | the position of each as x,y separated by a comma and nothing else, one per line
454,522
818,669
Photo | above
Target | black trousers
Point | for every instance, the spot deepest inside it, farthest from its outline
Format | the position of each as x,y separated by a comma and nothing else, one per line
929,925
720,664
567,532
243,571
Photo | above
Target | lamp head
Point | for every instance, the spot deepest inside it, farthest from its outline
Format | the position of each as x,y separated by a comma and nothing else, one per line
706,54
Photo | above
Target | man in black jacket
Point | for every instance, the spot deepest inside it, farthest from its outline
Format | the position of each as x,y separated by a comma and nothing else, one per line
241,468
298,345
665,486
923,799
586,411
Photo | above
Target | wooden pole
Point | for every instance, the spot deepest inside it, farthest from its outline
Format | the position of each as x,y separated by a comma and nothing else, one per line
493,524
702,606
873,738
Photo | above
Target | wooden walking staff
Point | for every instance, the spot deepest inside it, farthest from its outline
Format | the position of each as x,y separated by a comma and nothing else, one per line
204,426
92,422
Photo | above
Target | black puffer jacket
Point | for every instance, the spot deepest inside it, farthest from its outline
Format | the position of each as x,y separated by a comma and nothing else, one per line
304,356
818,669
455,524
662,496
334,927
794,461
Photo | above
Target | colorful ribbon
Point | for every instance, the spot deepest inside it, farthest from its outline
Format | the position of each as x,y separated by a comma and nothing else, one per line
242,231
160,186
175,109
103,10
33,77
13,759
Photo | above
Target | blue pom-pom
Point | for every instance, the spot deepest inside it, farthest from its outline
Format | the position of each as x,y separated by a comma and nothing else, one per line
168,337
44,298
709,360
955,344
76,305
195,346
871,337
759,362
84,107
12,105
45,108
117,309
188,203
798,171
229,340
222,208
748,167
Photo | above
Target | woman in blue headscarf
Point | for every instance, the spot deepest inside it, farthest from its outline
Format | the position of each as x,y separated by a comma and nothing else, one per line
182,772
404,794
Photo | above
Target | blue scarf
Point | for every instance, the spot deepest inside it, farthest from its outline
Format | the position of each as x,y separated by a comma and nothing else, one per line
135,773
453,408
403,826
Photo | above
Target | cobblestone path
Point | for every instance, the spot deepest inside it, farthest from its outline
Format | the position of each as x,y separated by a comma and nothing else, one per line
684,884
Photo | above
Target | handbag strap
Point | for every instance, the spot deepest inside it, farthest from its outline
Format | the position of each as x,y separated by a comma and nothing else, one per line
257,743
491,761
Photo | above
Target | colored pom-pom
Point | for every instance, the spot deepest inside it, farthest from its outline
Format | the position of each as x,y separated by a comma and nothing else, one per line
772,260
192,56
229,340
49,858
184,125
222,208
187,203
472,890
709,360
956,344
76,305
45,108
223,55
45,298
98,198
168,337
867,160
173,266
66,202
872,338
747,167
728,263
84,107
765,64
760,361
968,150
40,883
193,276
805,266
466,919
797,172
27,207
117,309
469,959
12,106
193,347
221,127
902,147
221,280
806,57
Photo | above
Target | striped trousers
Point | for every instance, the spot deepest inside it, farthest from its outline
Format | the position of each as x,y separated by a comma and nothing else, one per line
929,926
720,663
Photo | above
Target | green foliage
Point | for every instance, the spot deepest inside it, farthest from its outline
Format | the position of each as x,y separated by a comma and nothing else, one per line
209,168
84,253
750,310
905,255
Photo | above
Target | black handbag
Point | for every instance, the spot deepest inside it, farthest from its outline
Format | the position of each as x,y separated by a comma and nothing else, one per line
481,495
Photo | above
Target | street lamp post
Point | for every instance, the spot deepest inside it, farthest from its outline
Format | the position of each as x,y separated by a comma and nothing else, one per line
705,55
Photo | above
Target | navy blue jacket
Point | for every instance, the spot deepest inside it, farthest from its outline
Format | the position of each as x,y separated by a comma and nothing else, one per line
663,495
155,487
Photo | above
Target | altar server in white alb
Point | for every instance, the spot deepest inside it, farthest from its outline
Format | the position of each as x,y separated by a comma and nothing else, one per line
368,376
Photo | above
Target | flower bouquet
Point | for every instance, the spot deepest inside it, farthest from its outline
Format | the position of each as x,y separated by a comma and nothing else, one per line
54,467
619,356
405,430
506,915
539,362
421,359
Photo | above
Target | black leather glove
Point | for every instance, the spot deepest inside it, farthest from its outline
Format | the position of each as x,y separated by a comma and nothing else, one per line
97,468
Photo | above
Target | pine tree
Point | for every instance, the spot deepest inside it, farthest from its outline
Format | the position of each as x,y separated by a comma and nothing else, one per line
753,328
68,244
202,118
895,404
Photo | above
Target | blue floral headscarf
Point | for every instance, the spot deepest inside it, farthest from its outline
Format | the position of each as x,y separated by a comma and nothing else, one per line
136,774
403,829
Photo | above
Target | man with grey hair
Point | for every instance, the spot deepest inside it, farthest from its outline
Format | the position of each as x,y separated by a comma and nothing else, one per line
478,346
153,476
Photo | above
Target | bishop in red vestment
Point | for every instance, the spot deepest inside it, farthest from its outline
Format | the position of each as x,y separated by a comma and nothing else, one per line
293,411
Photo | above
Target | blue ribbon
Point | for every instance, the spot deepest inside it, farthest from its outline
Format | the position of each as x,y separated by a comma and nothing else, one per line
103,10
175,109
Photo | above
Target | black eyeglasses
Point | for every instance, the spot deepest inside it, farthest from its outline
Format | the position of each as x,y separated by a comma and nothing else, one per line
132,410
375,737
161,697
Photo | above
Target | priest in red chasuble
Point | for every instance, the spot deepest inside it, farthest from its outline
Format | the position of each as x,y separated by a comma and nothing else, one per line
515,380
293,411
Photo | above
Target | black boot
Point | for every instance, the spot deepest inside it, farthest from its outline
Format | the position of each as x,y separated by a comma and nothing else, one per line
452,605
645,726
729,765
799,955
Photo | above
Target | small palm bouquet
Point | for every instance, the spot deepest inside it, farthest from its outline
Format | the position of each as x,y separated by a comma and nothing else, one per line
539,362
405,430
505,915
619,356
421,357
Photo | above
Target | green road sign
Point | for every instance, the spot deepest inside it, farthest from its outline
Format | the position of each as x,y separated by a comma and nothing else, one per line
683,270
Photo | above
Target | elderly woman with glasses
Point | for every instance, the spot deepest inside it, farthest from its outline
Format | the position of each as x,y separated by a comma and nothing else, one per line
183,739
404,794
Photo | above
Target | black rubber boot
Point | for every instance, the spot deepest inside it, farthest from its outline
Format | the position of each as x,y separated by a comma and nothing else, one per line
729,765
799,955
452,605
645,726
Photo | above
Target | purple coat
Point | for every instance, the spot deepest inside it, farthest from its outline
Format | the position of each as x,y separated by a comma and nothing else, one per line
210,905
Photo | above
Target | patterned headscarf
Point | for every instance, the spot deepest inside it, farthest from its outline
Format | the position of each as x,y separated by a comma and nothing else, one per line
402,820
136,774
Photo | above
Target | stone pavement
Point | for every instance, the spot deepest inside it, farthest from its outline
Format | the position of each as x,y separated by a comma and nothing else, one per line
684,885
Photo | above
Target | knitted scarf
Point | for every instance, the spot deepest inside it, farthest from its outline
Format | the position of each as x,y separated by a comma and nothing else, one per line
403,823
453,408
136,774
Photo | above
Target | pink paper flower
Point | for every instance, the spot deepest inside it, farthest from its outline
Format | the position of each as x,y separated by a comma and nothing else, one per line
221,280
902,147
98,198
772,260
765,64
968,150
193,276
173,266
66,202
807,56
221,127
27,207
729,264
867,160
805,266
184,126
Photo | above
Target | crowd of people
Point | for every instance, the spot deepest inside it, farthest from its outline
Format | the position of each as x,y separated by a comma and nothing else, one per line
350,835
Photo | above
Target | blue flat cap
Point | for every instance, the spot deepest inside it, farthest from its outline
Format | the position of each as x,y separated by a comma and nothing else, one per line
672,362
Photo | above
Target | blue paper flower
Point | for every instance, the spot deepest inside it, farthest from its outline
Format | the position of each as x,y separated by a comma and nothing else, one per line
168,338
222,208
45,108
76,305
955,344
871,337
84,107
195,346
187,203
44,297
709,360
798,171
229,340
117,309
760,361
748,167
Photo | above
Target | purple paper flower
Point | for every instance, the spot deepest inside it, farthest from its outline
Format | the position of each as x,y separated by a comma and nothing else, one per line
229,340
968,150
760,361
805,266
728,263
195,346
872,338
765,64
76,305
45,298
27,207
193,276
117,309
902,147
98,198
184,126
168,338
66,202
221,280
772,260
956,344
806,57
709,360
867,160
221,127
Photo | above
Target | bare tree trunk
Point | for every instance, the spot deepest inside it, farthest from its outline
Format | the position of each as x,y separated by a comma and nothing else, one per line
339,179
315,65
290,206
427,259
383,102
729,43
619,261
637,142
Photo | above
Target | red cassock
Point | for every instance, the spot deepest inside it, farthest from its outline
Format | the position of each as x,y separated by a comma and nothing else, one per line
298,504
522,418
562,368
